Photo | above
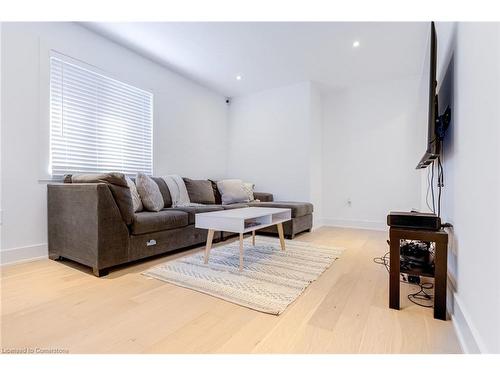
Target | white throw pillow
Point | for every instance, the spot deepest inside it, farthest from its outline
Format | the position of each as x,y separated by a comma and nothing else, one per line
136,198
178,191
248,188
149,191
232,191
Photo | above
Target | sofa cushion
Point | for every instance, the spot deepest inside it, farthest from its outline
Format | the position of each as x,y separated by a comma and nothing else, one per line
178,191
298,208
232,191
162,185
165,193
136,198
118,186
234,205
147,222
199,191
149,191
248,189
218,197
263,197
192,211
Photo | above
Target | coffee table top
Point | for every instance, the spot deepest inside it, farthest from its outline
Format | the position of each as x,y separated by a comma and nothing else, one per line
242,220
245,213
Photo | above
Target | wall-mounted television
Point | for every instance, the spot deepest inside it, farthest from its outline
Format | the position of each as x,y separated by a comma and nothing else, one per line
432,151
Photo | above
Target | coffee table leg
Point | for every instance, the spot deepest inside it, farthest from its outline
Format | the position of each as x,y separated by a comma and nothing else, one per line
210,237
241,252
253,238
282,237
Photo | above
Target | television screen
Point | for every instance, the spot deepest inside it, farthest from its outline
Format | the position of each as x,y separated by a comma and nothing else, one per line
432,150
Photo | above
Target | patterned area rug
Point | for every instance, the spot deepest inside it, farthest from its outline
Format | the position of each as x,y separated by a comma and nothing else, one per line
271,278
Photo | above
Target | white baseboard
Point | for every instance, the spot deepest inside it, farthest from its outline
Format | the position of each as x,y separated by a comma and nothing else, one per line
467,334
357,224
317,223
23,254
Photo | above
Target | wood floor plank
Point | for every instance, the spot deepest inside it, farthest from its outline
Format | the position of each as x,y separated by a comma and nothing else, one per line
282,337
248,336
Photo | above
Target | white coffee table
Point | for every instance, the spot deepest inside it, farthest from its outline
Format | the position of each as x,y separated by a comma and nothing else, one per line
242,220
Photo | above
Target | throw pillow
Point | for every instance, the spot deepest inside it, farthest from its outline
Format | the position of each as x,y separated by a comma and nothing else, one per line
232,191
248,188
178,191
199,191
136,198
149,192
118,186
165,193
218,198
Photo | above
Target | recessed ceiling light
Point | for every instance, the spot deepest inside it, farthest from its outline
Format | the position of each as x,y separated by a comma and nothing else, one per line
238,78
355,44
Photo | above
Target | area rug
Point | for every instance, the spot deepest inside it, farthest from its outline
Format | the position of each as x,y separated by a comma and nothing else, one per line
271,278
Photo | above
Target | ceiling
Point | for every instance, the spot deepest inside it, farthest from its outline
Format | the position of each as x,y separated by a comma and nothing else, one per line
273,54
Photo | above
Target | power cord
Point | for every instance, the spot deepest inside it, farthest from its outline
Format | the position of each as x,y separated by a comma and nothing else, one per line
440,184
428,189
422,295
432,188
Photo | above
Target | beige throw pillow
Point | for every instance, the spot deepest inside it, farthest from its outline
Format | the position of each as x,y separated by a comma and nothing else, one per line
248,189
149,192
136,198
232,191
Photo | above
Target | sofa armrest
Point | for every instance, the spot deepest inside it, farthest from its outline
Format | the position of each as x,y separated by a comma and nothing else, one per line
263,197
85,225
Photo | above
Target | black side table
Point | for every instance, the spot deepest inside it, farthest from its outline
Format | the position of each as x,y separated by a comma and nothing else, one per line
440,238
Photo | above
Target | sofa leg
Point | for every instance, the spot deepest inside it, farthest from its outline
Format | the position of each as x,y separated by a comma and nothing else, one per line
55,257
290,236
99,273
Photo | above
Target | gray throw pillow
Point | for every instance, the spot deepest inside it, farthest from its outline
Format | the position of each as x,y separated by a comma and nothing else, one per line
199,191
149,191
232,191
136,198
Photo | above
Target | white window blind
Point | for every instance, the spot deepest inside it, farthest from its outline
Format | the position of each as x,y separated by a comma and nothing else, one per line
97,124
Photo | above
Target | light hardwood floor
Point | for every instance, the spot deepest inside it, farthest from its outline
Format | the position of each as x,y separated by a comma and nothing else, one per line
48,304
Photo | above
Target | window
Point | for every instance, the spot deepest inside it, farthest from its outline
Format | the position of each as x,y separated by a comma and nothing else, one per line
97,124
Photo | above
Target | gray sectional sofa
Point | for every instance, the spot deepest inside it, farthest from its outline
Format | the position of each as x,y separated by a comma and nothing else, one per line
93,223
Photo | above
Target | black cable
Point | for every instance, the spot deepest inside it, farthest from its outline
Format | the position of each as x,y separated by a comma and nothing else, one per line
428,188
383,260
432,188
422,295
412,297
440,184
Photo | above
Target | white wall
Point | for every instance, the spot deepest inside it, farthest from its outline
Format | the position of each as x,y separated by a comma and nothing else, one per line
316,154
370,152
469,70
189,128
269,141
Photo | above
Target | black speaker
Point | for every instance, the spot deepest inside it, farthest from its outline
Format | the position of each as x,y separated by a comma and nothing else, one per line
414,220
